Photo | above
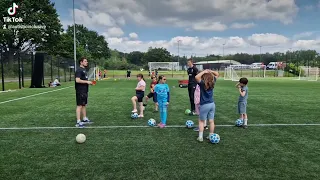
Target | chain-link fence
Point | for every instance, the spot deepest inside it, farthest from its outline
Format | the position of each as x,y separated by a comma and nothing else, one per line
17,67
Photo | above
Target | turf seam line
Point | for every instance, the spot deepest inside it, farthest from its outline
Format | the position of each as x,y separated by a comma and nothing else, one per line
173,126
16,99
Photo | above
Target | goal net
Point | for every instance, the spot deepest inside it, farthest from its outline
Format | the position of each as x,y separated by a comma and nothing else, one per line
167,66
233,72
309,73
93,74
230,74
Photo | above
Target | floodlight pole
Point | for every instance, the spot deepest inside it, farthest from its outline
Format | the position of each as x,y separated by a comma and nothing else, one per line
74,39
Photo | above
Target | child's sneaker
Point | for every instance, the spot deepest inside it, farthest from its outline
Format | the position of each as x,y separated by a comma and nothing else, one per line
134,111
200,139
140,116
162,125
80,125
196,129
87,121
245,126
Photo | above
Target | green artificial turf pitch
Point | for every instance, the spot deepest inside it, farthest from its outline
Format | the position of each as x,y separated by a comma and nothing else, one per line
140,152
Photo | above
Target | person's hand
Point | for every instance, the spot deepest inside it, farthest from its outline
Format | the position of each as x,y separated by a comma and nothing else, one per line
167,103
89,82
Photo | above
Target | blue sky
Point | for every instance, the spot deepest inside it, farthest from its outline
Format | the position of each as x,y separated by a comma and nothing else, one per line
200,28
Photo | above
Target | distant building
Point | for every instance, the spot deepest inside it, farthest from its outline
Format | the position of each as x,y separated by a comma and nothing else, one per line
218,64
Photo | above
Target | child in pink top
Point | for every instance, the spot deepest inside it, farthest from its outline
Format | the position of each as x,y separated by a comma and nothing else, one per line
141,87
197,105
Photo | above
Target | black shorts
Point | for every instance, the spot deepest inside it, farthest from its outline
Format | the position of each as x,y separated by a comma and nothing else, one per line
140,95
82,98
128,75
151,95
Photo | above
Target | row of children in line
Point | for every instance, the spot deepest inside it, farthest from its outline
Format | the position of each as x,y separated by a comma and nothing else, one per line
205,105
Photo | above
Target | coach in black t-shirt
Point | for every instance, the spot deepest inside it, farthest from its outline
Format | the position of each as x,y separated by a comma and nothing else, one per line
192,72
82,88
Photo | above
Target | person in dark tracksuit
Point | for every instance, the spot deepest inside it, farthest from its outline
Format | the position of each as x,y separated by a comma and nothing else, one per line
192,72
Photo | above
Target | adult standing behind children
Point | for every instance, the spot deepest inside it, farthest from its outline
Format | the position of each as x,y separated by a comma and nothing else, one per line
82,88
192,72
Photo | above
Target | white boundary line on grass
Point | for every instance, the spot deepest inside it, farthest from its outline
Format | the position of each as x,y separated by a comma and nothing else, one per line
34,95
174,126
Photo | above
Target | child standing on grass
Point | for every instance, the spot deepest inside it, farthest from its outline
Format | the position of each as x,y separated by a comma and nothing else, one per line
206,80
141,87
151,94
162,98
242,102
197,106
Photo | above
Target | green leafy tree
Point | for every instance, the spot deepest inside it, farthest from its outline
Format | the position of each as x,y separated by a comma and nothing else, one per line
39,13
135,57
157,55
89,43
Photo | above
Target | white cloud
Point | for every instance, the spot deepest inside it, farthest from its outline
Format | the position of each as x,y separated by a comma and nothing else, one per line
114,32
202,46
204,16
209,26
303,35
242,26
268,39
133,35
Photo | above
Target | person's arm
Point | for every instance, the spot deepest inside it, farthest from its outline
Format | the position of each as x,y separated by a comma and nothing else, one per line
78,80
215,73
152,88
198,76
242,92
168,93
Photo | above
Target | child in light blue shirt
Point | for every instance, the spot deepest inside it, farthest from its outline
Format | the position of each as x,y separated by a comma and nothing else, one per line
162,98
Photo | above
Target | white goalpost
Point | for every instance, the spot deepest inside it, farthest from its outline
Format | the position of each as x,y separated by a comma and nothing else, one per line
171,66
309,73
230,74
93,74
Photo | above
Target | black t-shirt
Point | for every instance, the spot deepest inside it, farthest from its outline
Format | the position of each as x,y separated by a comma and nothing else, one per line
192,72
82,74
128,72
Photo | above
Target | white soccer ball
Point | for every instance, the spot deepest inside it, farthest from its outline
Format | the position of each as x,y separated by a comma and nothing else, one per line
81,138
214,138
189,124
134,115
152,122
239,122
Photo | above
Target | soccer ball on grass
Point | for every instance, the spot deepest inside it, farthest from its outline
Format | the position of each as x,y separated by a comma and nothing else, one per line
189,124
80,138
152,122
134,115
214,138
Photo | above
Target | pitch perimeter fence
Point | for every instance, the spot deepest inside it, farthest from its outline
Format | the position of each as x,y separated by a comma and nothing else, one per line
17,68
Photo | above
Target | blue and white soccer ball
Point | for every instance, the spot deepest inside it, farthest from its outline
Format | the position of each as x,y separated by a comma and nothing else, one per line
152,122
189,124
239,122
134,115
214,138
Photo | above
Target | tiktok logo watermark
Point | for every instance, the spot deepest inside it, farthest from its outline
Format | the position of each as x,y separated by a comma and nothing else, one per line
12,11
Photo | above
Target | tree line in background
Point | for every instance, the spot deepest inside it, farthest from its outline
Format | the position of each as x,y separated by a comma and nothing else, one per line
58,43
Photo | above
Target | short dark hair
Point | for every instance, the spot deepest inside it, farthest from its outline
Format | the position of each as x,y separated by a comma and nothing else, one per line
82,59
243,81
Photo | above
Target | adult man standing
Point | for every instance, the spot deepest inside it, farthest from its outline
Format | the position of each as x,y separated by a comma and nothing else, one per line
192,72
82,88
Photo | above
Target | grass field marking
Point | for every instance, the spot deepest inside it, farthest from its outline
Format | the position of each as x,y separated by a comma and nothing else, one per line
7,91
173,126
34,95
